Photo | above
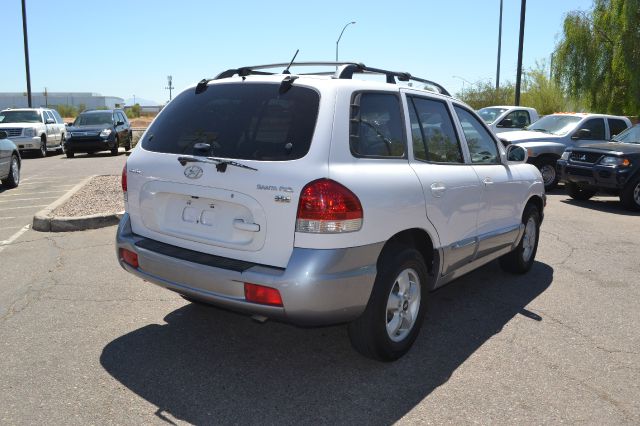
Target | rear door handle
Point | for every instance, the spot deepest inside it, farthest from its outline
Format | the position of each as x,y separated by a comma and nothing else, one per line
438,189
487,181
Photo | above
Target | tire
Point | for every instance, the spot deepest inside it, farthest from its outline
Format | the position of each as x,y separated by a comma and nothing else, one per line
70,154
114,150
43,147
13,179
630,195
577,193
62,149
127,146
550,178
397,305
521,259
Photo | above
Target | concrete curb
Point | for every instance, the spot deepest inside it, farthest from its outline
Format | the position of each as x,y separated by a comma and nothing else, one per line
44,221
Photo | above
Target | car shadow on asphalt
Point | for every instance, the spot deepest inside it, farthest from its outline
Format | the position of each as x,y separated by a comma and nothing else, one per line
211,366
602,205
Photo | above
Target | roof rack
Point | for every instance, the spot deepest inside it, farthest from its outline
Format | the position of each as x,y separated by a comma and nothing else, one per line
344,70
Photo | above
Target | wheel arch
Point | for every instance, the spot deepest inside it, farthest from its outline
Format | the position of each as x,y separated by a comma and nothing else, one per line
420,240
536,201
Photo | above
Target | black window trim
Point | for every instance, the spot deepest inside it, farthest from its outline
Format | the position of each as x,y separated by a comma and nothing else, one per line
453,124
402,126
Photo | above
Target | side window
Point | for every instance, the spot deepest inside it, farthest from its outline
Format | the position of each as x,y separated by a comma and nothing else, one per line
376,126
57,116
432,132
616,126
481,145
596,126
119,117
631,136
48,116
516,120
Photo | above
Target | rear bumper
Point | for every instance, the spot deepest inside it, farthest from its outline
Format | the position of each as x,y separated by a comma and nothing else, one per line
318,287
595,176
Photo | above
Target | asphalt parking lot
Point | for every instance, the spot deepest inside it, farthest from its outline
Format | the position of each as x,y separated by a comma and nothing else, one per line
84,342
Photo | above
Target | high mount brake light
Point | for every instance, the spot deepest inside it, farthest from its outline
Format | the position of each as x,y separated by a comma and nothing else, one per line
327,207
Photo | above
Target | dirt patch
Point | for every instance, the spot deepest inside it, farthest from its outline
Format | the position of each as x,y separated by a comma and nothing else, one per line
101,195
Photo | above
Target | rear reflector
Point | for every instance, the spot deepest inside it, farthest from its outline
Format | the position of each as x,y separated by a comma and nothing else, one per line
129,257
261,294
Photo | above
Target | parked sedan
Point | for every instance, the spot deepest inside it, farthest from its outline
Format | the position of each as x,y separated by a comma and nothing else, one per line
9,162
99,130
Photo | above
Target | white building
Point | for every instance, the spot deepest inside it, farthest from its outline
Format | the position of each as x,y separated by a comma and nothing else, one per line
38,99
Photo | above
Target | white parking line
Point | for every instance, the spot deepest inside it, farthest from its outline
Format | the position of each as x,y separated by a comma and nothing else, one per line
10,227
45,178
41,183
5,243
25,207
13,217
25,199
17,194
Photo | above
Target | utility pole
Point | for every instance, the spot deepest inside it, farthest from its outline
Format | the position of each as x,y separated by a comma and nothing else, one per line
499,48
26,51
523,7
342,32
169,86
46,98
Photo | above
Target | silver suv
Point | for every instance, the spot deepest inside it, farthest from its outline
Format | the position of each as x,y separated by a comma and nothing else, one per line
34,129
322,198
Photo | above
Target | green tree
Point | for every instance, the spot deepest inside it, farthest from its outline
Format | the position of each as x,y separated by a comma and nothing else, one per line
598,56
484,93
538,91
134,111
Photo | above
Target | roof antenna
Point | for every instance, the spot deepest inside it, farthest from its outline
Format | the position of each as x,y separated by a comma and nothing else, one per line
286,70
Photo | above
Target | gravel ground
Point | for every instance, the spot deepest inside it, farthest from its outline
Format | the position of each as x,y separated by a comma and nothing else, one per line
101,195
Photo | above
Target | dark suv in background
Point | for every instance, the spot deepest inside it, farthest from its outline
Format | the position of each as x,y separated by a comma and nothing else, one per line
611,167
99,130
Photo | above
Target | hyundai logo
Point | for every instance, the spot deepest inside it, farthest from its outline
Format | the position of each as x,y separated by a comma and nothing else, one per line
193,172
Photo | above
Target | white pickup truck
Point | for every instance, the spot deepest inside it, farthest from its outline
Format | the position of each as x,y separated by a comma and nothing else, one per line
34,129
508,118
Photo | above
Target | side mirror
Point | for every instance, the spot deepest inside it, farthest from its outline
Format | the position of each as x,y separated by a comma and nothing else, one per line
582,134
50,121
516,153
3,134
68,124
507,122
119,123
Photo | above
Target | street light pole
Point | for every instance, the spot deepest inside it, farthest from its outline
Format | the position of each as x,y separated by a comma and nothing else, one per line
523,7
499,48
26,51
342,32
464,80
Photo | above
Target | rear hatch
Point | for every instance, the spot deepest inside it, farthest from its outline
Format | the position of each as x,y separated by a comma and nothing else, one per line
220,171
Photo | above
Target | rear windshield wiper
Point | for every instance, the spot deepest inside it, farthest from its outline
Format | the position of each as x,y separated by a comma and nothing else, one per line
221,164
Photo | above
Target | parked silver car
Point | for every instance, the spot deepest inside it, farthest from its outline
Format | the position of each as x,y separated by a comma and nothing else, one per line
9,162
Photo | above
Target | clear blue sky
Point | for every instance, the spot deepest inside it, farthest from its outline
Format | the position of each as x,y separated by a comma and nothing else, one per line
126,47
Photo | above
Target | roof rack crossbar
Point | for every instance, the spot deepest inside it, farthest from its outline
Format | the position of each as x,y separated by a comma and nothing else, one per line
345,70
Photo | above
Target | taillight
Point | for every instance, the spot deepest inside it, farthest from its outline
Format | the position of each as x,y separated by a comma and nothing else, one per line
260,294
327,207
124,181
129,257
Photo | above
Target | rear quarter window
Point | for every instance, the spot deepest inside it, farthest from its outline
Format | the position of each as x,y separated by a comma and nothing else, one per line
249,121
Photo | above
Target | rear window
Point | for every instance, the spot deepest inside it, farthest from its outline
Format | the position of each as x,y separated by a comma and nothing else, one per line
245,121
